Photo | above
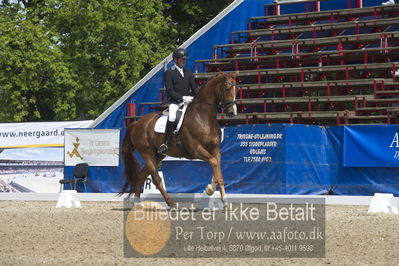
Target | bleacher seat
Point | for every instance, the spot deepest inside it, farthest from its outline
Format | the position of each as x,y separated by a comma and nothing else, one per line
326,67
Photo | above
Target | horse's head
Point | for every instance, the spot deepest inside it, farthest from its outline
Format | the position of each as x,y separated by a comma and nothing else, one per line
227,94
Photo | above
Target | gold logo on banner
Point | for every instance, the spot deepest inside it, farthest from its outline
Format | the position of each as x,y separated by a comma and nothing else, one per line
75,150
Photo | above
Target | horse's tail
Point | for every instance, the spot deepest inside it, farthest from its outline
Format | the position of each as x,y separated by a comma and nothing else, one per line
132,165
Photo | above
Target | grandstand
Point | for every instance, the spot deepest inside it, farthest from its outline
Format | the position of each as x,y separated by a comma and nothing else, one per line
317,67
28,166
30,175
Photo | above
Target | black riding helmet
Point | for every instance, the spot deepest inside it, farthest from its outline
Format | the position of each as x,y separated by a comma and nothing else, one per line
180,53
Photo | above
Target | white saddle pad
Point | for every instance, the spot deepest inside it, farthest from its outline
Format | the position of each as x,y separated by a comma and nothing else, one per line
160,125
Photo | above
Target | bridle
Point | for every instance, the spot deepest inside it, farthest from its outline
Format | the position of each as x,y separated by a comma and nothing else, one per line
224,104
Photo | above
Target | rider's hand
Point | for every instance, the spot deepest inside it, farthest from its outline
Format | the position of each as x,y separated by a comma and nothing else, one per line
187,99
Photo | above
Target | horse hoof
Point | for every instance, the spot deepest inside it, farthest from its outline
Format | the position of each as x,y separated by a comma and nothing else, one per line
136,200
209,190
170,203
225,205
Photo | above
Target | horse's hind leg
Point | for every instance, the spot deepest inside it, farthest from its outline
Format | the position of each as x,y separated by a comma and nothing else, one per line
151,165
140,181
156,179
144,173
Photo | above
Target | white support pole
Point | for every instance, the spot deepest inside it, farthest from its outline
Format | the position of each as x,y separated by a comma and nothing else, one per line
67,199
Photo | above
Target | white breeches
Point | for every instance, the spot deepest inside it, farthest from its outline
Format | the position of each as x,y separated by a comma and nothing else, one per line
172,112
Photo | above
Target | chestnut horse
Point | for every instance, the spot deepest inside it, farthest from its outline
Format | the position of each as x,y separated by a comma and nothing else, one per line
200,135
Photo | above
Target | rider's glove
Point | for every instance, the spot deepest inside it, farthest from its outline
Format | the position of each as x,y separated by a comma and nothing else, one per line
187,99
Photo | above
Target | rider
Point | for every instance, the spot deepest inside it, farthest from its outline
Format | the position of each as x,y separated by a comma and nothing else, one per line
180,86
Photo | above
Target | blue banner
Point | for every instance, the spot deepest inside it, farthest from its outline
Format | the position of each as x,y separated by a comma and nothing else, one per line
283,159
252,162
371,146
253,158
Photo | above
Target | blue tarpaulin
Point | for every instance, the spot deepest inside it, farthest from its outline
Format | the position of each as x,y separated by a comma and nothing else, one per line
271,159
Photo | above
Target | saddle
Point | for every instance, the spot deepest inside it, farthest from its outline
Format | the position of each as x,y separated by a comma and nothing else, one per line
160,125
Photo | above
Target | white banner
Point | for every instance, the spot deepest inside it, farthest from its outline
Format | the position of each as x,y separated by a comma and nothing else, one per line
97,147
36,134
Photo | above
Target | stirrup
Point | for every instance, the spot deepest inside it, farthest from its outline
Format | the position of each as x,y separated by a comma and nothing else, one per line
163,149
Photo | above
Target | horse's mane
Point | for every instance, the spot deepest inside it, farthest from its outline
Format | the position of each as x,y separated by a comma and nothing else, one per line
213,79
218,75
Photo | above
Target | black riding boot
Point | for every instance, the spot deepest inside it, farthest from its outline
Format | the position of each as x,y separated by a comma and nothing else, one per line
170,127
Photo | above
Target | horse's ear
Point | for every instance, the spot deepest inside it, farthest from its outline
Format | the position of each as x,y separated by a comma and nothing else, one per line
221,73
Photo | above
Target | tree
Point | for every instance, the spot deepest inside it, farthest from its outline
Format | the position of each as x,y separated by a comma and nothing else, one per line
188,16
111,45
35,81
71,59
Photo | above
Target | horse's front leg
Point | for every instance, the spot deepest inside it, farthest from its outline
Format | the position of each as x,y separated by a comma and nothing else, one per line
211,188
214,160
219,176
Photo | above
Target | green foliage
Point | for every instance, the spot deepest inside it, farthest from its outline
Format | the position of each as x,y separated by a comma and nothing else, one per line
111,45
71,59
35,81
190,15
